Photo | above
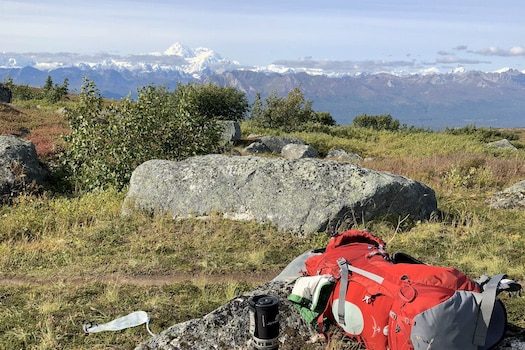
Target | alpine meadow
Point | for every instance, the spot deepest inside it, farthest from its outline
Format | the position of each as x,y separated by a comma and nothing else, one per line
341,176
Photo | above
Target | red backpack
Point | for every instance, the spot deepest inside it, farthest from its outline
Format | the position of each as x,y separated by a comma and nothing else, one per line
397,303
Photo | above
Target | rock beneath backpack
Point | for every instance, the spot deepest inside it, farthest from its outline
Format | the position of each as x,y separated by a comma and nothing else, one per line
19,167
5,94
295,151
228,326
256,148
302,196
276,143
231,132
512,343
510,198
343,156
502,144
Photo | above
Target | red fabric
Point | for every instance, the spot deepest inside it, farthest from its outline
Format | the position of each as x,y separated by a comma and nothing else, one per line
407,290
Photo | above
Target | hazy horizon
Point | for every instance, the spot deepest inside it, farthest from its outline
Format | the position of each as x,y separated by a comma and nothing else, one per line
441,34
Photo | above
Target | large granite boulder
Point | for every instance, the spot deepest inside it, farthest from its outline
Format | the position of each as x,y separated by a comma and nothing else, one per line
276,143
19,166
502,144
231,132
5,94
296,151
510,198
302,196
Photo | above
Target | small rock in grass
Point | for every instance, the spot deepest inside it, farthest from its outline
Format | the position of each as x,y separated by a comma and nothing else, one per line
256,148
502,144
343,156
295,151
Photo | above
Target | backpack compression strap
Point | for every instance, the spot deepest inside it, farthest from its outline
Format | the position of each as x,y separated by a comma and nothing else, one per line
344,267
488,299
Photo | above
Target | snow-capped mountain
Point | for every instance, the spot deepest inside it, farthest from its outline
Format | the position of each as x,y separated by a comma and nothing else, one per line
177,57
200,62
417,94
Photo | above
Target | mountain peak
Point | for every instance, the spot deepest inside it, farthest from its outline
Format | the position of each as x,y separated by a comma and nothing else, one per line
179,49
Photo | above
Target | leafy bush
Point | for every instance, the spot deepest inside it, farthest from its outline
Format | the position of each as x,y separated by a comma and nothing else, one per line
483,134
469,178
377,122
291,113
107,143
213,101
471,174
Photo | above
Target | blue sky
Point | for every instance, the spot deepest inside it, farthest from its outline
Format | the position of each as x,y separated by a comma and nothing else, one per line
476,34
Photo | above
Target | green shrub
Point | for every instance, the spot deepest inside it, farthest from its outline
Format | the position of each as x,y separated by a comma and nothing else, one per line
54,93
22,92
377,122
49,92
291,113
483,134
213,101
471,174
107,143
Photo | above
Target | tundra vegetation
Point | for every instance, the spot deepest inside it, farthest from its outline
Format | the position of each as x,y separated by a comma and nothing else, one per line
66,255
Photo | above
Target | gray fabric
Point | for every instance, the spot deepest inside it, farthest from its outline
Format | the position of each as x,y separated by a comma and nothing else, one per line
497,327
490,291
449,325
369,275
343,268
295,268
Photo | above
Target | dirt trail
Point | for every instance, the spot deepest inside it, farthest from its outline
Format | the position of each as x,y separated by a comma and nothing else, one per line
138,280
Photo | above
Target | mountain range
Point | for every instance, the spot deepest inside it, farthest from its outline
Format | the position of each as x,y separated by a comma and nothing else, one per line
423,98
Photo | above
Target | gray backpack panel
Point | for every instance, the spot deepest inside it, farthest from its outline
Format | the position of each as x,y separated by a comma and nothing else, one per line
451,325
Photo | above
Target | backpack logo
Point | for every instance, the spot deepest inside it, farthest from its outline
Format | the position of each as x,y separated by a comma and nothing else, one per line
354,320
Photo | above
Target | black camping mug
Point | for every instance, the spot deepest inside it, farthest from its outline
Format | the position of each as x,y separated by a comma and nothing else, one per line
264,322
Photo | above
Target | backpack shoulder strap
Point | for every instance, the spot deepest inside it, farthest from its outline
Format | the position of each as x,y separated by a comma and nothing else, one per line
488,300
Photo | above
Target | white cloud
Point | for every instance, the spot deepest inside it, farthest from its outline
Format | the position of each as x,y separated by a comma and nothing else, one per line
496,51
449,59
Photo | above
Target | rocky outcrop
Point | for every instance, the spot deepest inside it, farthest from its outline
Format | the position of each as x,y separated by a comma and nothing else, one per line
343,156
256,148
296,151
510,198
302,196
19,166
502,144
5,94
228,326
231,132
276,143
